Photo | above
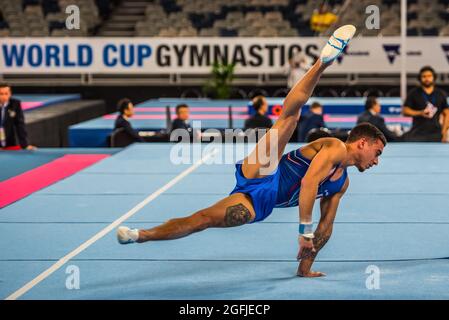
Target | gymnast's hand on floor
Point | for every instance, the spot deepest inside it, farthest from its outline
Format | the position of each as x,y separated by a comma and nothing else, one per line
309,274
306,256
306,248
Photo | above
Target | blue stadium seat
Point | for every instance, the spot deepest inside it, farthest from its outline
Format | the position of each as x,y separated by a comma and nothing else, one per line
170,6
198,20
391,2
296,2
245,10
299,24
50,6
412,16
445,15
226,9
203,20
52,25
228,33
218,16
306,32
104,8
4,25
26,3
429,32
293,17
412,32
267,9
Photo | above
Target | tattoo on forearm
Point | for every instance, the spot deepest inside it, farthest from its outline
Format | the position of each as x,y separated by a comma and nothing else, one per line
318,242
237,215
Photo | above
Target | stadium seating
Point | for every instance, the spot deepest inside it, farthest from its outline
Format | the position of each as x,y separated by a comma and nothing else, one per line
42,18
213,18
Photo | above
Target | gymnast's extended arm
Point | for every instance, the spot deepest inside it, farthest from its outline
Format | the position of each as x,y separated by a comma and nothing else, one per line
328,206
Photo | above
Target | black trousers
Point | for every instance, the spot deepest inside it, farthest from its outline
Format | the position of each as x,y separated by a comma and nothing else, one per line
420,136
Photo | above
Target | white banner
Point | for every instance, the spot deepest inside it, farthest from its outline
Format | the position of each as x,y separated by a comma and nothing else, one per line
196,55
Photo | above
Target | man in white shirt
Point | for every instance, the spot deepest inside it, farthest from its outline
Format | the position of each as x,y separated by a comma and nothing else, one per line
296,67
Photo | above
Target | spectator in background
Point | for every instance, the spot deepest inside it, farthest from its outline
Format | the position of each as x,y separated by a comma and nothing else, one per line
372,115
296,67
182,122
126,109
429,109
313,119
182,118
12,121
322,18
259,120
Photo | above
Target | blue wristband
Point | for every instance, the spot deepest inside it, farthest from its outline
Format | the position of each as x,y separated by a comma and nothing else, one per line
306,228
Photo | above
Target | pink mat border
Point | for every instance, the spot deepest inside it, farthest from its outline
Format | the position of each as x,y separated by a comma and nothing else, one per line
20,186
31,105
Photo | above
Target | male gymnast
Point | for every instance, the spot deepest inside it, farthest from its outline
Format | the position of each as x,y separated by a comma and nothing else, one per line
316,170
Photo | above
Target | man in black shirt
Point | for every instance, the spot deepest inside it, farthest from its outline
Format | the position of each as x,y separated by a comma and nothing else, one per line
259,120
429,109
372,115
126,109
12,122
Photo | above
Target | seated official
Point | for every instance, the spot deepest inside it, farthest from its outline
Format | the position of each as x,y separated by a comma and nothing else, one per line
126,109
182,123
12,122
259,120
372,115
311,120
182,118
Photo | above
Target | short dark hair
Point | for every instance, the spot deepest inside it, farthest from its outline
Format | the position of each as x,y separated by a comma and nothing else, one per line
315,105
180,106
122,105
366,130
370,102
258,102
5,85
427,68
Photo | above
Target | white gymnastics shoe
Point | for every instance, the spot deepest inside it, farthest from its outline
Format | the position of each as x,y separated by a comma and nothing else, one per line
126,235
337,42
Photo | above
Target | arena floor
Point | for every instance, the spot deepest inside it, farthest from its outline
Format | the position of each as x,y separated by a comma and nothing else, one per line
394,217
